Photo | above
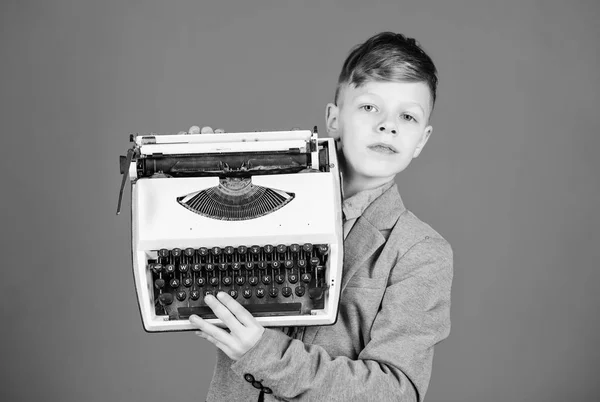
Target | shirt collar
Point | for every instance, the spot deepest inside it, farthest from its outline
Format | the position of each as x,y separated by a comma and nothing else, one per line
354,206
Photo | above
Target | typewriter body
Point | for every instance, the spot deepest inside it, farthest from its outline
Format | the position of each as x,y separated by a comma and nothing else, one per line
256,215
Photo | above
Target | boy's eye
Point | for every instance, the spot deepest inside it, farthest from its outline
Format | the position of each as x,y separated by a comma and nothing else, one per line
407,117
369,108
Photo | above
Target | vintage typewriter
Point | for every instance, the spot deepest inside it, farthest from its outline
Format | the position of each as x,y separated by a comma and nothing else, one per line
254,214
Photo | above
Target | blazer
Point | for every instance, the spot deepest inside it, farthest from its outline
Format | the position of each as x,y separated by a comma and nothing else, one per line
394,307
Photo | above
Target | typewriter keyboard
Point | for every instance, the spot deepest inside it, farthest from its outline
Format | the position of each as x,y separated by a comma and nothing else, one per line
270,280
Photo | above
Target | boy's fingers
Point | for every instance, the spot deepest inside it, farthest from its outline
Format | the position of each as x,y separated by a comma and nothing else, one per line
210,330
219,131
194,130
223,313
241,314
206,130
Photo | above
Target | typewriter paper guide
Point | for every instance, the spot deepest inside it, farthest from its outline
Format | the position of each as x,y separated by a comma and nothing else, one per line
164,223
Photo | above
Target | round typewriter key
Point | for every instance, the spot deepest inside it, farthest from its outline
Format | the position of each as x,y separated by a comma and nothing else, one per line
282,248
314,261
294,248
174,283
209,267
165,298
286,291
249,265
208,292
187,282
229,250
289,264
196,267
181,295
279,278
240,280
273,292
159,283
157,268
322,249
293,278
203,251
222,266
190,252
216,250
227,280
307,247
247,293
163,252
268,248
255,249
266,279
195,294
200,281
233,293
242,250
301,263
236,266
275,264
300,291
214,281
262,265
306,277
260,292
253,280
184,268
170,268
176,252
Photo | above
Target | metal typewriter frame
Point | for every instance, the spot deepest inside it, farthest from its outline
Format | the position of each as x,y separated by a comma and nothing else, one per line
215,144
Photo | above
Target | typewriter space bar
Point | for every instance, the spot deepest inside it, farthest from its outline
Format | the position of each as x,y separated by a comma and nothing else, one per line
257,310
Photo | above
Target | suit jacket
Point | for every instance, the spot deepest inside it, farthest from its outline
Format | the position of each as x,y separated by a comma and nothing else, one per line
394,307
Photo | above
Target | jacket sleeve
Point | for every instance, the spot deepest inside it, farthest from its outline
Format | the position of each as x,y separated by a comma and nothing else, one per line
395,364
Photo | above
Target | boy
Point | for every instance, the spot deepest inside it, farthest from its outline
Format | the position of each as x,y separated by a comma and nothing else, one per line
395,300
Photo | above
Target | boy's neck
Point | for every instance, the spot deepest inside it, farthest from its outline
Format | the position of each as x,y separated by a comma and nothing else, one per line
354,185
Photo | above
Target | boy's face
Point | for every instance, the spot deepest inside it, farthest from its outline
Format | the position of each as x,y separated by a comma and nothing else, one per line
381,127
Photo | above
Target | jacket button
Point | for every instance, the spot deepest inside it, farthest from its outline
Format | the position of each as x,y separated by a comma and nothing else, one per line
267,390
249,377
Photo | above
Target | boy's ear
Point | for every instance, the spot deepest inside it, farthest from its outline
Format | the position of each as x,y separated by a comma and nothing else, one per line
423,141
331,118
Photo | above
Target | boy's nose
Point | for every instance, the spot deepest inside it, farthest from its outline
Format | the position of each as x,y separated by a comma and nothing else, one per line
387,128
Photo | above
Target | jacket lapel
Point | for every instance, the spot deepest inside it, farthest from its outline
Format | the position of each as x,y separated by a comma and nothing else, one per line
365,237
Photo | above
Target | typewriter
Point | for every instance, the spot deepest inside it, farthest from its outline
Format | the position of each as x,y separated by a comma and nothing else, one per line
254,214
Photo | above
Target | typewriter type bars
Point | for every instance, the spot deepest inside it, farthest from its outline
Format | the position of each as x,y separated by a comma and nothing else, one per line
256,215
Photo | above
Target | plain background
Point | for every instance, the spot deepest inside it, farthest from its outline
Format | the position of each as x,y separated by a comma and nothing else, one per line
509,177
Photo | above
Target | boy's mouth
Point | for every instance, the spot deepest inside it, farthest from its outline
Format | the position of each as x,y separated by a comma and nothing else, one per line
383,148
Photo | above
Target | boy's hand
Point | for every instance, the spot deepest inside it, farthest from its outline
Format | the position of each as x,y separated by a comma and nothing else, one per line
245,331
203,130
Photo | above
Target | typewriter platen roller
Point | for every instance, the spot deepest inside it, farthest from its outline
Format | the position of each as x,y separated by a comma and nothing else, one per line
256,215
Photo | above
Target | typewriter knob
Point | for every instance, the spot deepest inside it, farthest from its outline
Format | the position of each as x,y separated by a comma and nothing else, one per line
159,283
